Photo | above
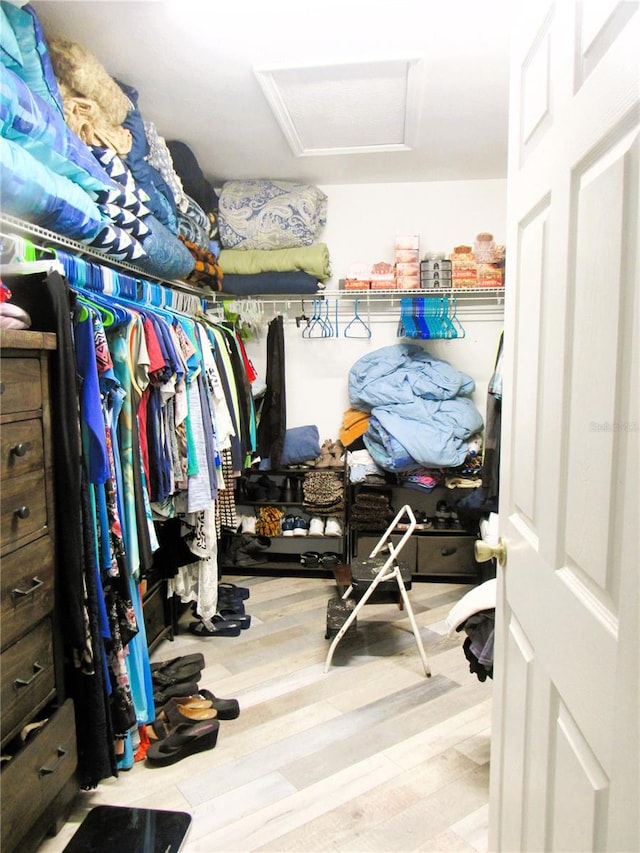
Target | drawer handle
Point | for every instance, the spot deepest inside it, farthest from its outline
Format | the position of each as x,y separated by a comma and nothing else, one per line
47,771
22,593
2,387
21,682
448,552
23,512
20,449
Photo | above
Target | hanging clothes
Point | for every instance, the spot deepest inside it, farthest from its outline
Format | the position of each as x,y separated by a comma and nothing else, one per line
272,423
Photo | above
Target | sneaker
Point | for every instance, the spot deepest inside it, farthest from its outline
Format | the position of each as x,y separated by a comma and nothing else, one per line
287,525
316,526
333,527
300,526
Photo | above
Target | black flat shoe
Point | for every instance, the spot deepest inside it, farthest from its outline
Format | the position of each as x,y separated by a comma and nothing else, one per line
228,709
219,628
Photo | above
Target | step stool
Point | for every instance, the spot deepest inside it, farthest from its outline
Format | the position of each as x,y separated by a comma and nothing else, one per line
381,570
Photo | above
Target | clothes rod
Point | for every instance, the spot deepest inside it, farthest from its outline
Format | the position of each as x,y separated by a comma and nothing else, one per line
52,240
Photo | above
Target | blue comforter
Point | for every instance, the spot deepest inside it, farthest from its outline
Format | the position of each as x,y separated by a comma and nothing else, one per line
421,413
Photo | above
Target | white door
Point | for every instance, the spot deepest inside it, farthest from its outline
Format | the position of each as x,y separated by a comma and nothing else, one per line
565,761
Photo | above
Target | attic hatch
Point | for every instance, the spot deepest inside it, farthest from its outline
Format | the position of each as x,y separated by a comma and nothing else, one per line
349,108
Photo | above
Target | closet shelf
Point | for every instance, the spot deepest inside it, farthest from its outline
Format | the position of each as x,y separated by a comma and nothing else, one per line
51,240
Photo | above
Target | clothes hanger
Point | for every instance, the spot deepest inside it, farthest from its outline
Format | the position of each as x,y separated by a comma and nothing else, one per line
357,328
316,328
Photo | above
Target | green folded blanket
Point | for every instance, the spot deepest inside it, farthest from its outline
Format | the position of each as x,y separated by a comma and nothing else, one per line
312,259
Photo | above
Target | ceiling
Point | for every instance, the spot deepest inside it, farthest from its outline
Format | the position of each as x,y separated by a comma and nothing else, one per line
331,92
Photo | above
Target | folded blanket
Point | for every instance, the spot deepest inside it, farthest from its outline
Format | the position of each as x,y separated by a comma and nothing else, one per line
261,214
312,259
269,283
38,127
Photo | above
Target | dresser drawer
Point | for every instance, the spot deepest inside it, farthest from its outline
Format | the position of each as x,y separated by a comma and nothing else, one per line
365,545
28,677
27,588
33,778
22,448
154,613
446,555
20,389
24,507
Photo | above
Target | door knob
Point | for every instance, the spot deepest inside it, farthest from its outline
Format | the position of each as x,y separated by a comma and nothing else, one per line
484,551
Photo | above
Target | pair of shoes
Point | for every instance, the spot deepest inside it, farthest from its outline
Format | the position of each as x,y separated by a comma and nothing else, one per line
313,559
294,525
183,740
319,527
447,516
291,491
226,709
331,455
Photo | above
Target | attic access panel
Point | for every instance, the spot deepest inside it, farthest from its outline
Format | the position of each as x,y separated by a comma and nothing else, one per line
349,108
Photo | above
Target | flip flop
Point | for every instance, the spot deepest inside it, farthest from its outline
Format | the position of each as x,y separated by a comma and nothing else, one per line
182,669
184,740
179,662
228,709
219,628
229,614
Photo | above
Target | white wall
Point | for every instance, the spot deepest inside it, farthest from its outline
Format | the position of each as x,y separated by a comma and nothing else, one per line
362,223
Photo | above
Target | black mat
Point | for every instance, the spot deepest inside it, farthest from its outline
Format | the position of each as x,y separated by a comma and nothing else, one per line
128,830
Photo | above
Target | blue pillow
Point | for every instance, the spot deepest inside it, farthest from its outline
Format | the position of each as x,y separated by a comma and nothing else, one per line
301,444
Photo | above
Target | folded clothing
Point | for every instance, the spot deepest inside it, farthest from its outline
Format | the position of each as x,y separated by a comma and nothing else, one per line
354,424
270,283
312,259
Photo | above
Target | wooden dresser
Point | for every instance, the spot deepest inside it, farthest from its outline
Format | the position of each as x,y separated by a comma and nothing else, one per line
39,759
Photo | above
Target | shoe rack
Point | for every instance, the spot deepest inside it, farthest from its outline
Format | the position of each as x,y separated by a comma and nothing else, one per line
441,547
279,529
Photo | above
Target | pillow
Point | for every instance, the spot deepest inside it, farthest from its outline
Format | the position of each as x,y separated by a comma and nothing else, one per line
301,444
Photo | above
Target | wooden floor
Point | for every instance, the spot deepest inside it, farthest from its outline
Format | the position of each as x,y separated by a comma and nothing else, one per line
371,756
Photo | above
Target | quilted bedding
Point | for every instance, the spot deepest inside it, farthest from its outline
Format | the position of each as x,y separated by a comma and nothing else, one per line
262,214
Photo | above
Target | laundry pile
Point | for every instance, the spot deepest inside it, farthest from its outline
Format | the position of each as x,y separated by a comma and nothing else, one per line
421,412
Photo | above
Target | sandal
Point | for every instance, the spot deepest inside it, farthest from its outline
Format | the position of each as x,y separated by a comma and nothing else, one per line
178,670
235,613
228,709
219,628
230,589
165,693
185,739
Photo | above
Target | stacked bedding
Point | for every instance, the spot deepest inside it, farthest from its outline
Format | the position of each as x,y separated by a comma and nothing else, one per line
77,157
269,232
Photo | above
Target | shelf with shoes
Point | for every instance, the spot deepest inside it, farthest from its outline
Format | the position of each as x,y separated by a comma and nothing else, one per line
290,520
441,547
